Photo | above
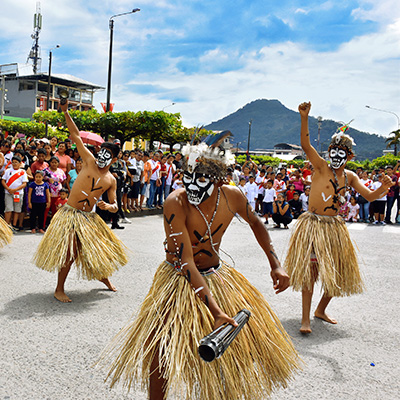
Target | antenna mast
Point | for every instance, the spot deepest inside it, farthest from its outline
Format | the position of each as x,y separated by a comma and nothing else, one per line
34,54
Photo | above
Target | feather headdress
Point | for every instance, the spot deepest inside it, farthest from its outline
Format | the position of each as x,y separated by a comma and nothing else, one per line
341,139
207,157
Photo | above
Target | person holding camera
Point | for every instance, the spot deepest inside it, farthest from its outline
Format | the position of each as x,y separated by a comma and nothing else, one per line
281,214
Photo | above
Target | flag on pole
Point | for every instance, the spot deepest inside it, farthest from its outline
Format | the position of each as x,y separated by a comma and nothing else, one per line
104,105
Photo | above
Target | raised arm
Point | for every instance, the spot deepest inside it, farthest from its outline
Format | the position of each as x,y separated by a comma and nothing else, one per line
243,208
84,153
180,248
316,160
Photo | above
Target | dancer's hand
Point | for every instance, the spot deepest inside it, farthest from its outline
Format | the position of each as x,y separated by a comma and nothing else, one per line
387,181
304,109
102,205
281,279
222,319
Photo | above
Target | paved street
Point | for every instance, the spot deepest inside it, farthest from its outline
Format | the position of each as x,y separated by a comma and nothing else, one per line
48,348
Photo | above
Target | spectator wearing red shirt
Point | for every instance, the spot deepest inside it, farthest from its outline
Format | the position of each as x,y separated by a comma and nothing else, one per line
39,164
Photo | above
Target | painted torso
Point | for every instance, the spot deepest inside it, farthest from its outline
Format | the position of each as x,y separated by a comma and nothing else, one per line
203,253
89,185
325,194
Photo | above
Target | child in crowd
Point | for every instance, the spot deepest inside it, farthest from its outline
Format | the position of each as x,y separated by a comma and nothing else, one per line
260,180
269,198
279,184
290,193
62,199
242,185
229,179
178,182
14,181
304,198
354,209
295,205
38,201
251,191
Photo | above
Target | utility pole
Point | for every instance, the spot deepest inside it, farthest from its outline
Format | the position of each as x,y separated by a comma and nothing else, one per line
3,95
248,140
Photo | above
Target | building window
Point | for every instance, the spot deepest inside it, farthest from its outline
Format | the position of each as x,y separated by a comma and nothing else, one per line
74,95
26,85
55,105
42,87
87,97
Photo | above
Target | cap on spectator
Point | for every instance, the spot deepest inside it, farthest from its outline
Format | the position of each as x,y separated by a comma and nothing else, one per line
117,141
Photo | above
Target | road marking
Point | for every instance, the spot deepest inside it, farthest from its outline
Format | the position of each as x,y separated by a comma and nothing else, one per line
356,227
391,229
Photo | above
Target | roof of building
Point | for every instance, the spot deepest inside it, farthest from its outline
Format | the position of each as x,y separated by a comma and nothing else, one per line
25,71
287,146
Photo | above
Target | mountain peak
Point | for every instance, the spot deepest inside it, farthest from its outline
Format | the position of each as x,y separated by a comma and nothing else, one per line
274,123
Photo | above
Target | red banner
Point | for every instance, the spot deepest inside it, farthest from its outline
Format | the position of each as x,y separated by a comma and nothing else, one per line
104,105
42,107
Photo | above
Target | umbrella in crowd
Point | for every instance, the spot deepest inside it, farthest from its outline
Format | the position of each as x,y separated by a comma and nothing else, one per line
91,138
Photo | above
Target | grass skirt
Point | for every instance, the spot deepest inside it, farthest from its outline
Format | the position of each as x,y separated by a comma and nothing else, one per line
328,238
84,238
172,320
5,233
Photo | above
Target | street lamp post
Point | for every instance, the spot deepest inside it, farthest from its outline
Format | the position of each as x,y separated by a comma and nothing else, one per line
248,139
111,25
48,85
319,119
390,112
169,105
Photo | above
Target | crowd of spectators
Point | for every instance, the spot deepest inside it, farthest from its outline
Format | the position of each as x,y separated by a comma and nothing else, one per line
282,194
37,176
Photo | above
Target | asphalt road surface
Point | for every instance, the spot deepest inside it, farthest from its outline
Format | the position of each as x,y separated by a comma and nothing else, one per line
48,348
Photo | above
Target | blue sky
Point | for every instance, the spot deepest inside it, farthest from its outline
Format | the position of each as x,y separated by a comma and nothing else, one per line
213,57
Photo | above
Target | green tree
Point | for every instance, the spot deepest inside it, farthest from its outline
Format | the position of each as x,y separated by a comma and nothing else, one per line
393,140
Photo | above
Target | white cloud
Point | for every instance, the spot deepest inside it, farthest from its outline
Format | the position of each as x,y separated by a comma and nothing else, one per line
339,84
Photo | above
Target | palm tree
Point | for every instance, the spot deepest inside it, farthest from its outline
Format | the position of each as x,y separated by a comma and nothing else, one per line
393,140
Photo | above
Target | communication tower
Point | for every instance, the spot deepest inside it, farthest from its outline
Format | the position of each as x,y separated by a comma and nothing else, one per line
34,53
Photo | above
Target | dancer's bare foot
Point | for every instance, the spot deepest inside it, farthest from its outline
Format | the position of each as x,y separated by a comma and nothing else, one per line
325,317
305,327
61,296
107,282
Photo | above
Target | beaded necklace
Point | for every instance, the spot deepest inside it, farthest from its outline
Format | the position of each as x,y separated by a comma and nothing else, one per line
342,199
208,224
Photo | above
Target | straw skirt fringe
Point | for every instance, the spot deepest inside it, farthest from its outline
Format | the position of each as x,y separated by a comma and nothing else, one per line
5,233
171,322
328,238
82,237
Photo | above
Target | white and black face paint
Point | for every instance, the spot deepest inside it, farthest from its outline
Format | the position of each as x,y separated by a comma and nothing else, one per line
338,157
199,187
104,158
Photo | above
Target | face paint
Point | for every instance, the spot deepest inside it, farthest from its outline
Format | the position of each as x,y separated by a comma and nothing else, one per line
338,157
104,158
199,187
